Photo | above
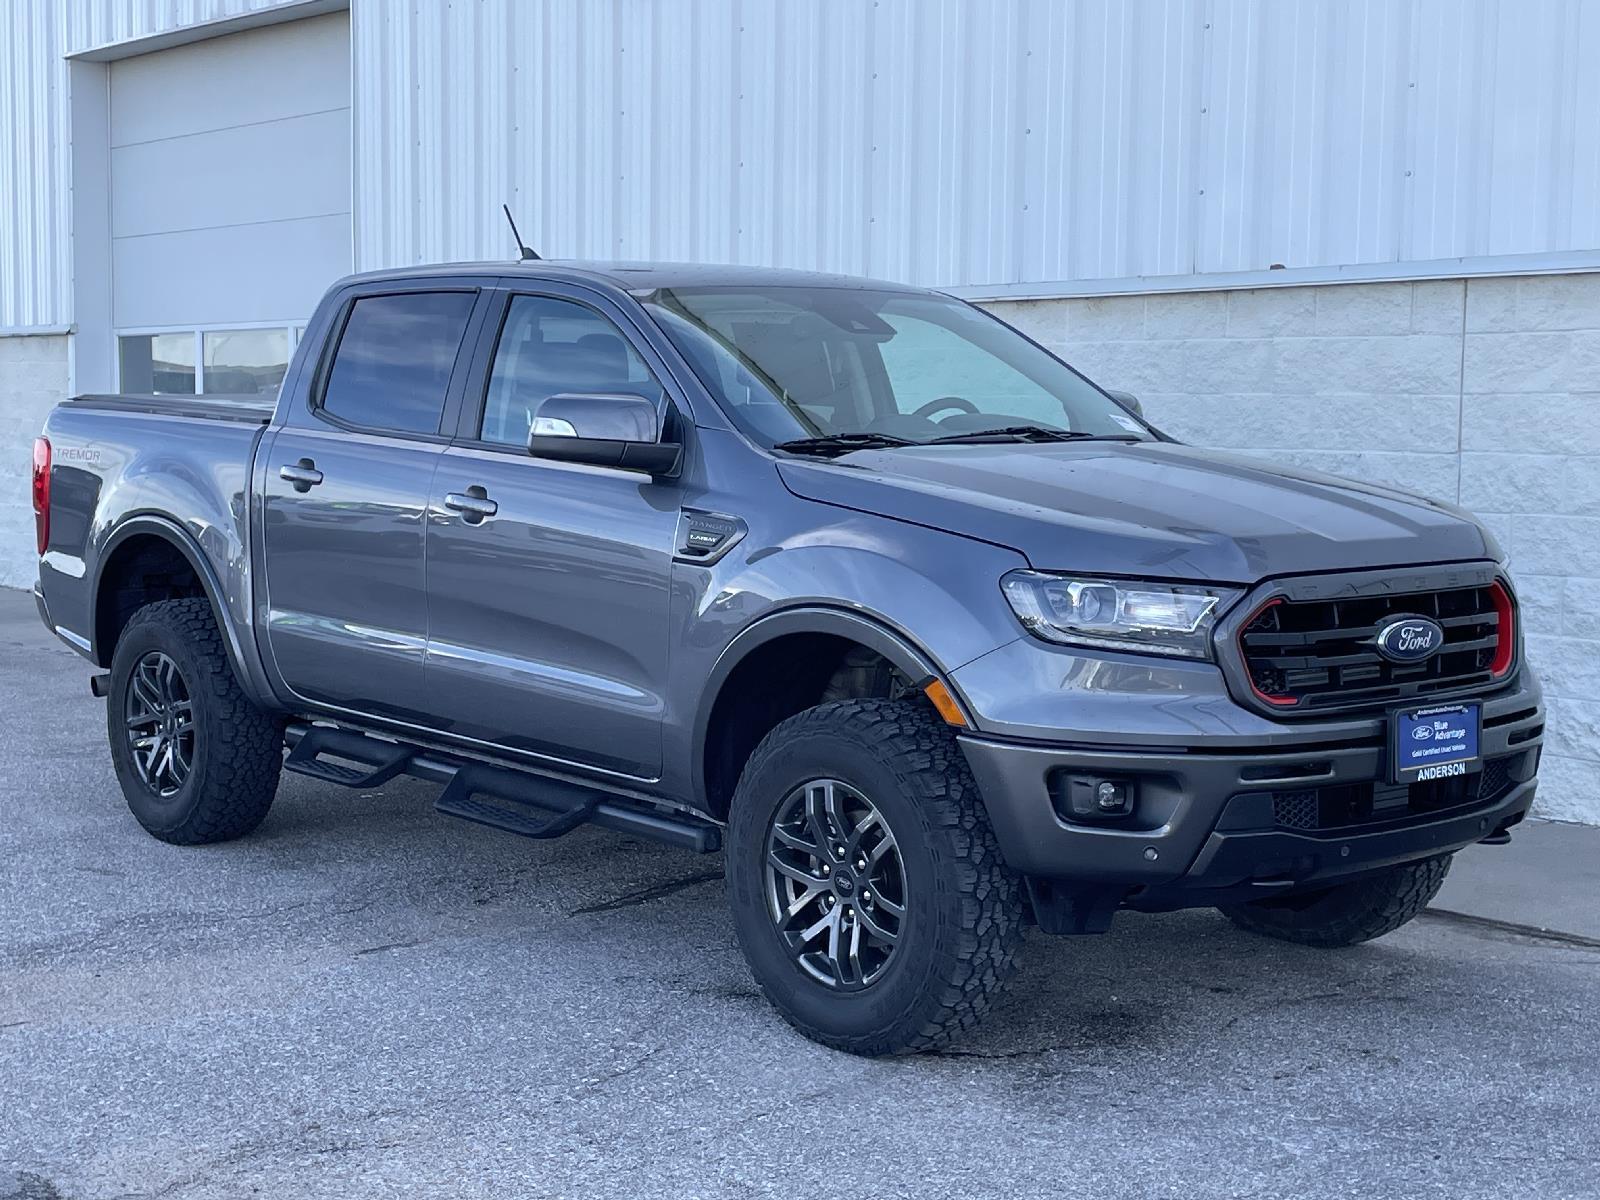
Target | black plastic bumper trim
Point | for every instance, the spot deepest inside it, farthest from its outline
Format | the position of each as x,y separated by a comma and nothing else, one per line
1181,800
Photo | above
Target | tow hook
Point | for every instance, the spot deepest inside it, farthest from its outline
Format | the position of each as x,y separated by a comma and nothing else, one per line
100,685
1500,836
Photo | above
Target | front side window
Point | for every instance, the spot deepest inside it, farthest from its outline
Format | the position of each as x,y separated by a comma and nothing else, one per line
549,346
793,362
392,367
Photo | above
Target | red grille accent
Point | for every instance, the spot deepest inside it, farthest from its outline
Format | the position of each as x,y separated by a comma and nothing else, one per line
1277,701
1506,612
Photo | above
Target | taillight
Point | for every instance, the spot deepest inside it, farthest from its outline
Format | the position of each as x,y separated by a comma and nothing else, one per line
1506,628
41,492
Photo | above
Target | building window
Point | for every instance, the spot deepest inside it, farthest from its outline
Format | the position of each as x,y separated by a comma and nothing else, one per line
244,362
157,363
216,362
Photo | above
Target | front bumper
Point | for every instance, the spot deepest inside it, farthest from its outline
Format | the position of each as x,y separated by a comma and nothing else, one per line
1207,823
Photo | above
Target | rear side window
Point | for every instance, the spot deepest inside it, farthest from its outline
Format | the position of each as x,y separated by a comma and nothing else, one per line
393,364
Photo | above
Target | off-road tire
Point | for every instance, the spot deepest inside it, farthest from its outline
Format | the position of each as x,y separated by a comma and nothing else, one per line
238,749
1349,913
963,924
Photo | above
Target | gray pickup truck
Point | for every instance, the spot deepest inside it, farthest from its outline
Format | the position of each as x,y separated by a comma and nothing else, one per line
939,637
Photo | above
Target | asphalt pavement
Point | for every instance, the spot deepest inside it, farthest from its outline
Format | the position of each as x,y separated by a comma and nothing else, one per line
367,999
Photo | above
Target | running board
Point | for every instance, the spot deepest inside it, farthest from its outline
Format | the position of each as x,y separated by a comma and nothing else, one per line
533,807
383,760
522,802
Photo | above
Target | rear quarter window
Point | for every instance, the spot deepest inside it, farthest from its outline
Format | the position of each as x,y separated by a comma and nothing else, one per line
392,367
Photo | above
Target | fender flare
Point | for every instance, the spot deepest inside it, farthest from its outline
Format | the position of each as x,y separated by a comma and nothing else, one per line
169,531
899,648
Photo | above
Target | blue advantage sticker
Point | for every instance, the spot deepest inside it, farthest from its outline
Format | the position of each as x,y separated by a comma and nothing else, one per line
1435,743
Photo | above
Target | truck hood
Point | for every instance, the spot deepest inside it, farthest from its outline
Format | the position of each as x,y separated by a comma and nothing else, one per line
1153,509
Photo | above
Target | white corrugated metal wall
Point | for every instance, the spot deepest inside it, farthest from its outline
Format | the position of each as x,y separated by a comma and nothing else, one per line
1001,146
35,267
35,134
970,142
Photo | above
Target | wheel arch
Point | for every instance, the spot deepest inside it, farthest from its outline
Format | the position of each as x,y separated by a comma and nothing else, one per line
120,551
793,626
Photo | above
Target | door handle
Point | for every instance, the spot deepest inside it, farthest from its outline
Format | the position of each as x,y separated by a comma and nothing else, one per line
303,474
474,504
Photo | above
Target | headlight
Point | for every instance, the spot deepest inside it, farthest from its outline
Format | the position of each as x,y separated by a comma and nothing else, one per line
1147,618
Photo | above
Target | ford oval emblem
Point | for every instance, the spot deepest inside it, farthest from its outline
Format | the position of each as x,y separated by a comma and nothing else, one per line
1410,639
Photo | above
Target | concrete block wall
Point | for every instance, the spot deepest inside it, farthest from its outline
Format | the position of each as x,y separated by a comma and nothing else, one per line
33,379
1484,392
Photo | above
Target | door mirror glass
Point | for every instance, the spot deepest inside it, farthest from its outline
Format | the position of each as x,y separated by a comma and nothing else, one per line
603,429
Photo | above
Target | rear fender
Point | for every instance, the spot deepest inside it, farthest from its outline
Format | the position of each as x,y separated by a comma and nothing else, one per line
241,650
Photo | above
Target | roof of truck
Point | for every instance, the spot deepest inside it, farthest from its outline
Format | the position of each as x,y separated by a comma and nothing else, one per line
635,276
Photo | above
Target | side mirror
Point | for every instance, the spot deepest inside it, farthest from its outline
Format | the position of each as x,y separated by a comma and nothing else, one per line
1128,401
603,429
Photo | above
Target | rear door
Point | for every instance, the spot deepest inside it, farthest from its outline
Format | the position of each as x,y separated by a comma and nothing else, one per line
345,501
548,618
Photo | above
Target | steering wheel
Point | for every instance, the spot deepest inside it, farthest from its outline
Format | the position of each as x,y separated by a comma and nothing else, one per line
944,402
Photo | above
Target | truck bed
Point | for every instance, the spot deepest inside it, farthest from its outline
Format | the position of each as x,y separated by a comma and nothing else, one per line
255,410
178,466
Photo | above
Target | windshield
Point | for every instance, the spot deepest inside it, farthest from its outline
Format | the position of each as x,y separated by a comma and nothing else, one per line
793,363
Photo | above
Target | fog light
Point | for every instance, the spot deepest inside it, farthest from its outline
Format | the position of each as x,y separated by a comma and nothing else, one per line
1091,797
1111,797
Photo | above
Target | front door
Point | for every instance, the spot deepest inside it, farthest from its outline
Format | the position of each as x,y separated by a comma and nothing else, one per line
548,582
345,504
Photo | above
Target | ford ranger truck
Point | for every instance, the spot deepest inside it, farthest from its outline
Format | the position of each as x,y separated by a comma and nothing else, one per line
936,637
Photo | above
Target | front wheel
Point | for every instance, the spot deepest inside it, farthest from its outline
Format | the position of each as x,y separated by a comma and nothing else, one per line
1347,913
868,892
197,761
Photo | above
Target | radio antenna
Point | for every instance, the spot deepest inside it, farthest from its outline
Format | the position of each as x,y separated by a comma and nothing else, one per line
527,251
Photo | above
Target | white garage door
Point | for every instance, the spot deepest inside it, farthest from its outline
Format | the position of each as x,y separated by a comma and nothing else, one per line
230,202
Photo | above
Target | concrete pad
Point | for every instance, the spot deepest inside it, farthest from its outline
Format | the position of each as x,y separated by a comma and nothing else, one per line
1548,878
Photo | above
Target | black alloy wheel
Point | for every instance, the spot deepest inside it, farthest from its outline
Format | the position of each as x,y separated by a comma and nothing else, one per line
159,718
836,888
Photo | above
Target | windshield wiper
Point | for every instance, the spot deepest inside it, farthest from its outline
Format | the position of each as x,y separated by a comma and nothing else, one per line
843,443
1031,433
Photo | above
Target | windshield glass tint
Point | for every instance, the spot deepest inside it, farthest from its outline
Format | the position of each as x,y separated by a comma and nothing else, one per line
799,362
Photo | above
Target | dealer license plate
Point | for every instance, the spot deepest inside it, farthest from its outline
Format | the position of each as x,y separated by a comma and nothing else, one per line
1436,742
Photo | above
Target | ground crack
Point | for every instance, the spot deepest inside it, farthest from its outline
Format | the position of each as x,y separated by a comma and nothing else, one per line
633,899
1002,1055
1532,932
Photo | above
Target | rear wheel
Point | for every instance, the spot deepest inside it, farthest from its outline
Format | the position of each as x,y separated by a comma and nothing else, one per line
1347,913
197,761
867,888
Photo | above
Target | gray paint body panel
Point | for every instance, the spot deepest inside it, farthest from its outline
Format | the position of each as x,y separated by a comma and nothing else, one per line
547,627
1155,509
564,630
344,571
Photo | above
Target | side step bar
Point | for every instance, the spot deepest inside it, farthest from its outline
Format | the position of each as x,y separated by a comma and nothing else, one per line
533,805
385,760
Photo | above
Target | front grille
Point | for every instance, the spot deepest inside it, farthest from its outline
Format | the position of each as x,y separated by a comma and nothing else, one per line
1305,655
1341,806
